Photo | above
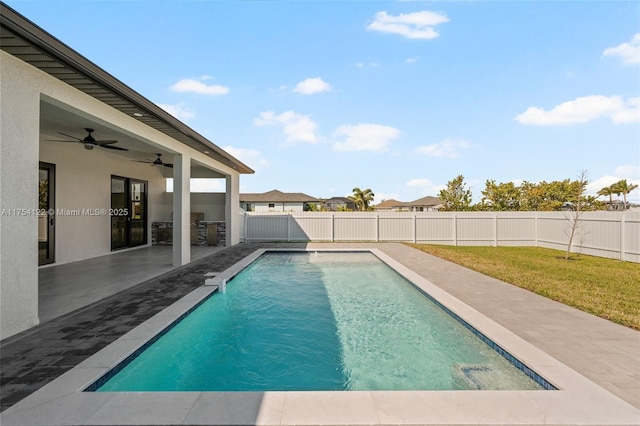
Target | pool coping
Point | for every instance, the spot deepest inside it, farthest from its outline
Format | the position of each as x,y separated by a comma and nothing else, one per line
578,400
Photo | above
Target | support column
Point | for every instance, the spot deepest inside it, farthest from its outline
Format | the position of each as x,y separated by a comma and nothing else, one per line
232,210
181,209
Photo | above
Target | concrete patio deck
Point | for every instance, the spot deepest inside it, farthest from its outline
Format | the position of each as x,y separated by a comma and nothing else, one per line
605,353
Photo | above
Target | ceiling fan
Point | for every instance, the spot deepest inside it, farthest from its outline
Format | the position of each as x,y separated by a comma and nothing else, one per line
157,162
90,142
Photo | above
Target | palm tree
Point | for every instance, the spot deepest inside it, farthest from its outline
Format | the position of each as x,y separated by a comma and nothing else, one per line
607,191
622,187
362,198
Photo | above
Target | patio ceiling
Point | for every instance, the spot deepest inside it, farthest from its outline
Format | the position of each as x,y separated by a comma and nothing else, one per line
30,43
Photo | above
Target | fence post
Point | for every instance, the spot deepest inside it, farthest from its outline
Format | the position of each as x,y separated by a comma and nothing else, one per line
455,229
495,229
622,241
535,228
333,218
288,227
415,230
377,227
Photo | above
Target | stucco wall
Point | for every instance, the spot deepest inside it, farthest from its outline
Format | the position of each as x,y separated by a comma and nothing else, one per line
211,204
19,118
83,181
278,207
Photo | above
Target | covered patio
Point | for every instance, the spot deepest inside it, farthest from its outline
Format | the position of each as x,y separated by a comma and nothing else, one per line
71,286
84,166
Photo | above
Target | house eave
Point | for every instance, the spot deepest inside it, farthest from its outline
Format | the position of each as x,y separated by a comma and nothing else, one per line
25,40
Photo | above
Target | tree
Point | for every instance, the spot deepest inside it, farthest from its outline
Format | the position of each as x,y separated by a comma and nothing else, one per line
622,187
501,196
578,203
362,198
607,191
456,197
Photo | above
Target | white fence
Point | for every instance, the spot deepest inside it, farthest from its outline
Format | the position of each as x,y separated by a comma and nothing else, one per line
607,234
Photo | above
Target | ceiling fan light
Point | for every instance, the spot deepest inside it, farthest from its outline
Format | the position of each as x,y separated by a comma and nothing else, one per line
88,146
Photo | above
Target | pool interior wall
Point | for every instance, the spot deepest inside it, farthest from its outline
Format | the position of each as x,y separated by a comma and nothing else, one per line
368,367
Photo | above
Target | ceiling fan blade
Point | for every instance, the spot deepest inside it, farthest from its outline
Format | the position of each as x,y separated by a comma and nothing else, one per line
60,140
142,161
168,165
106,142
113,147
72,137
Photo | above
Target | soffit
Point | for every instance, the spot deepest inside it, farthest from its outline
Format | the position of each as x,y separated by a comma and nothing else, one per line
29,43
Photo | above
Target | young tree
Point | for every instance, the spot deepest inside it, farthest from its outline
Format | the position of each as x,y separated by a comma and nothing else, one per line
456,197
362,198
622,187
579,203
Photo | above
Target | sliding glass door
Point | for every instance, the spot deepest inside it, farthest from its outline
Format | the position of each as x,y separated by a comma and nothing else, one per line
46,213
129,212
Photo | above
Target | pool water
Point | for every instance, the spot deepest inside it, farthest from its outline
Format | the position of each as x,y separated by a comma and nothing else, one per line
318,321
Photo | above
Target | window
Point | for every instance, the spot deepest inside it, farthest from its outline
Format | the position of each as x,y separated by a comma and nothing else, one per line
271,205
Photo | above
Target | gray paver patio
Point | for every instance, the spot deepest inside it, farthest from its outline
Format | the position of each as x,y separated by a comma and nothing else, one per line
604,352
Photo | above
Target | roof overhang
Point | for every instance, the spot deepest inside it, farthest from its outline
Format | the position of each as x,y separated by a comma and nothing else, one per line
28,42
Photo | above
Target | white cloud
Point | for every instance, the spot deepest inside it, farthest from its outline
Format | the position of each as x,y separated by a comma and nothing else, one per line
412,60
583,110
195,86
200,185
449,148
297,127
629,53
425,186
368,65
629,114
252,157
365,137
311,86
415,25
178,111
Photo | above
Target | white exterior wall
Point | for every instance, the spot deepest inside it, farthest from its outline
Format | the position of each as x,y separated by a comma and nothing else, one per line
79,182
278,207
19,128
211,204
83,181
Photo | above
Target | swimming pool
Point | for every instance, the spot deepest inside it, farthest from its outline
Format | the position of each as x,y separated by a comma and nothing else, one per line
319,321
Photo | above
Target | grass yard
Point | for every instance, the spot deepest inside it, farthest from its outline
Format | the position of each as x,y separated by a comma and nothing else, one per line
607,288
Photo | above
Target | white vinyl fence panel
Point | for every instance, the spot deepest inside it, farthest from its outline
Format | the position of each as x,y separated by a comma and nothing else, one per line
607,234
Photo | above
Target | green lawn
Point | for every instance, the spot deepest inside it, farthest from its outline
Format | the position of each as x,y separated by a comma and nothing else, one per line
604,287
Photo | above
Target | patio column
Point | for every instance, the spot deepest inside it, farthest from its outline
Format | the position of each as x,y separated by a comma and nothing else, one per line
232,209
181,209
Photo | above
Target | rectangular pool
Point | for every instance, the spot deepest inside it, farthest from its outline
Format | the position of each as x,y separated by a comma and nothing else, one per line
319,321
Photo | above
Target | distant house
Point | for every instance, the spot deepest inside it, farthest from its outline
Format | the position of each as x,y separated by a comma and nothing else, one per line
388,205
277,201
338,203
425,204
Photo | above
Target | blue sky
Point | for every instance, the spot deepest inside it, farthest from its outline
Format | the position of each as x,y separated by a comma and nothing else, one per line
399,97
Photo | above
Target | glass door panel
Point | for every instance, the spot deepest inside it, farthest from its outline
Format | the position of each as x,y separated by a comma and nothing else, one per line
118,221
46,213
138,228
129,208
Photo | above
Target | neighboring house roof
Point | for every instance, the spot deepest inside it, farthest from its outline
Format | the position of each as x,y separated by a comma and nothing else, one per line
33,45
276,196
424,201
339,200
388,204
421,202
